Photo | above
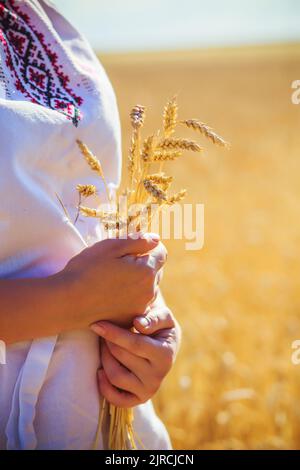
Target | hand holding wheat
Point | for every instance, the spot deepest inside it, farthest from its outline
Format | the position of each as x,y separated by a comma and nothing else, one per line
149,186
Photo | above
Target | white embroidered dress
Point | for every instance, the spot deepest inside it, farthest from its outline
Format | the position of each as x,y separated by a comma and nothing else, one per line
52,91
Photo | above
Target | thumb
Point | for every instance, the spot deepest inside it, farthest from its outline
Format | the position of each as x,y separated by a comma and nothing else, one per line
138,246
154,320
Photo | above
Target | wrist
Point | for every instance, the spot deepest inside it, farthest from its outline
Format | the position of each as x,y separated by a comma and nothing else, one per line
79,307
66,300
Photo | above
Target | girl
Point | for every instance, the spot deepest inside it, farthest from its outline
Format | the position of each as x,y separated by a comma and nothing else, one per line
53,91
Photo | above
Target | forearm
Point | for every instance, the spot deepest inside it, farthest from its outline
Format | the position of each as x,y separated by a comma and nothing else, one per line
33,308
97,284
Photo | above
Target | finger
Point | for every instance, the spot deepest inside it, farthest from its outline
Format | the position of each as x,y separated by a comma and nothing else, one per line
118,375
140,345
155,320
159,276
139,366
137,246
142,387
153,300
112,395
156,258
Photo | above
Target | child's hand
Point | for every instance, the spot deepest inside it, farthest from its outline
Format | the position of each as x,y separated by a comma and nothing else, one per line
134,365
115,279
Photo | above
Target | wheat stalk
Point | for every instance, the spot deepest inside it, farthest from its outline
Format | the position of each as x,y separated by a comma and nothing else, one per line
89,212
183,144
86,190
164,156
148,149
154,190
114,225
137,116
205,130
177,197
170,117
160,178
147,187
94,163
63,207
131,155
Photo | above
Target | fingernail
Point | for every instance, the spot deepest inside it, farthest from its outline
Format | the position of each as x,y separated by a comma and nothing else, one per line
144,321
98,328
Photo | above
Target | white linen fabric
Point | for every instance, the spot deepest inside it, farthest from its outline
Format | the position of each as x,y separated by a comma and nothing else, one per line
53,91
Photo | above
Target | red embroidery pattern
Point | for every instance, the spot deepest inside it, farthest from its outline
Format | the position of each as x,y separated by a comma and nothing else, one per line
33,65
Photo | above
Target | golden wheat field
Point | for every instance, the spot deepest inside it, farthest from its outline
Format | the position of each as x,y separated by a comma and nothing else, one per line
238,299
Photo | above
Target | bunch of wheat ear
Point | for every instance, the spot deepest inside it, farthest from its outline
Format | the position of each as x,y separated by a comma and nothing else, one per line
148,185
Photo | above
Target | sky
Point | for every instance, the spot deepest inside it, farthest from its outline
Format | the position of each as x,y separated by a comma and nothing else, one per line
135,25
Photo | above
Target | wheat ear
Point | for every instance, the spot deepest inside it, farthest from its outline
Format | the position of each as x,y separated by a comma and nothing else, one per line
86,190
148,149
166,156
161,180
177,197
89,212
183,144
154,190
207,131
94,164
170,117
137,118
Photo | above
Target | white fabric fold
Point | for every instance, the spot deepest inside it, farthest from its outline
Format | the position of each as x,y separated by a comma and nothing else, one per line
20,430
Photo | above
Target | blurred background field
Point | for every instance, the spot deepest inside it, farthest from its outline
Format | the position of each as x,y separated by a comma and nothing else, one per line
234,385
238,299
